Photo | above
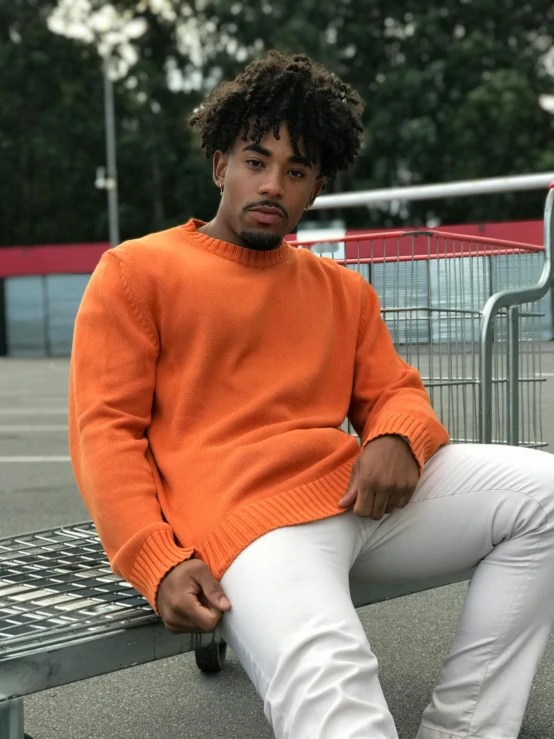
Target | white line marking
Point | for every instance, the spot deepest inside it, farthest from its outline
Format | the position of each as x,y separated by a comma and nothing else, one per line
544,374
31,460
27,429
32,411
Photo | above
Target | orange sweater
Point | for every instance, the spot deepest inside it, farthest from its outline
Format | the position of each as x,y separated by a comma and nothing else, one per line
208,382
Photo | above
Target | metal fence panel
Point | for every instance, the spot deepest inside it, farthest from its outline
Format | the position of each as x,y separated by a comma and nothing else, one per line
433,288
513,271
403,290
459,289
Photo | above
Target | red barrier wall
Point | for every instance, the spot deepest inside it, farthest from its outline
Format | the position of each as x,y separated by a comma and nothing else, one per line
16,261
82,258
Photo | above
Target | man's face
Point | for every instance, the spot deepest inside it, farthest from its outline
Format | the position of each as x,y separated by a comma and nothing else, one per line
266,188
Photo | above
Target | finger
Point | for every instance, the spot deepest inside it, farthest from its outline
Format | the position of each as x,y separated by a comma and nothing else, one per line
380,503
207,618
180,625
403,502
212,590
391,505
203,600
202,617
349,498
364,502
202,624
395,496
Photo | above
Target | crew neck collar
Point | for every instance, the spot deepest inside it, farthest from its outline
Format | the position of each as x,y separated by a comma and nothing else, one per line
234,253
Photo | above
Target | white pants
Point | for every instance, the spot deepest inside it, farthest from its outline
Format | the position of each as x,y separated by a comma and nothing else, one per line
297,634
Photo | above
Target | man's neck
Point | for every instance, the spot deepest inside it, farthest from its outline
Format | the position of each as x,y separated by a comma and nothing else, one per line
218,229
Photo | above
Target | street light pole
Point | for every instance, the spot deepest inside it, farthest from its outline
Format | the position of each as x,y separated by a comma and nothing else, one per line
132,28
111,160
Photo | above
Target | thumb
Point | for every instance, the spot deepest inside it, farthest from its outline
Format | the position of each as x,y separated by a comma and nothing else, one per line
349,498
213,590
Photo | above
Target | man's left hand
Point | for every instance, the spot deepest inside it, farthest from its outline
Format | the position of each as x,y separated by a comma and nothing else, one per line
384,477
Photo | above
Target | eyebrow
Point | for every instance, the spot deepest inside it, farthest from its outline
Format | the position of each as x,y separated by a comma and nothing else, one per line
258,149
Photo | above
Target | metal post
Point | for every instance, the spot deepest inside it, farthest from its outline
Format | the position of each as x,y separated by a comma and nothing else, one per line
551,327
11,719
506,299
46,317
485,378
512,397
485,381
111,161
430,311
3,320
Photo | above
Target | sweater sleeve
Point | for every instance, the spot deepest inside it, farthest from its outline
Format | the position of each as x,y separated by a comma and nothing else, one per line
388,396
112,378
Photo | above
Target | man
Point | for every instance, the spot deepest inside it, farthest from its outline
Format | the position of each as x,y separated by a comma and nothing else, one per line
213,365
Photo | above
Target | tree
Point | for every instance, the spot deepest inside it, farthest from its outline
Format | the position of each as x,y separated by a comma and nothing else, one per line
50,140
451,89
52,137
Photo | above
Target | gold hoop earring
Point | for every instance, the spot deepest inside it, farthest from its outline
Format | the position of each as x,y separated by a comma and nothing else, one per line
307,209
221,188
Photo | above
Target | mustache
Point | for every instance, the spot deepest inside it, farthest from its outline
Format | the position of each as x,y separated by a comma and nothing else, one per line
266,204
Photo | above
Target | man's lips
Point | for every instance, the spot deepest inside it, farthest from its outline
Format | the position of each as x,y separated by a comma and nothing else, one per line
266,215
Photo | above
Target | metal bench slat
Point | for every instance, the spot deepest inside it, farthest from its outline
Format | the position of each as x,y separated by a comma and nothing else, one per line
56,585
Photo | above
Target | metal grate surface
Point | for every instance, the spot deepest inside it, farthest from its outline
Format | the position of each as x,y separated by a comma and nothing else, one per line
57,585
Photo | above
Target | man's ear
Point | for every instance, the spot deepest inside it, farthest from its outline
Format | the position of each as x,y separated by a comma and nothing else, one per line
317,188
219,167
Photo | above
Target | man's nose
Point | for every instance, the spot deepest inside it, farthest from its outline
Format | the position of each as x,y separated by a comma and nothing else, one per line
272,186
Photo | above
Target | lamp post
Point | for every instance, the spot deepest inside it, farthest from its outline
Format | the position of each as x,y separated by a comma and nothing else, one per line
107,178
98,29
110,182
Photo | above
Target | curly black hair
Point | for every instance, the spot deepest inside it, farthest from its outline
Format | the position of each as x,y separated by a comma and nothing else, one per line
315,104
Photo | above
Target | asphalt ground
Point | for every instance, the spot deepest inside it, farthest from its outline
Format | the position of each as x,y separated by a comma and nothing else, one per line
171,699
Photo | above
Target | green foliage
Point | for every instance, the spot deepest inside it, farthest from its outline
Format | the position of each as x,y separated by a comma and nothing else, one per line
451,92
49,88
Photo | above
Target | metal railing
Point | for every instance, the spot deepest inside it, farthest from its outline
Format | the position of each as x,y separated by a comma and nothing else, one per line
438,191
510,301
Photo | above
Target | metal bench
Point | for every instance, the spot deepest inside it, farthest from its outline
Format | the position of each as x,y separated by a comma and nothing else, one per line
65,617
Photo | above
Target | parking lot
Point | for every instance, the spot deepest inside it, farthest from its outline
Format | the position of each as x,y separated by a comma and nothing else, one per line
171,699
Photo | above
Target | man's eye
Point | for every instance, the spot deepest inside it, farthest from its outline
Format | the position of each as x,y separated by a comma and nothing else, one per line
254,163
297,174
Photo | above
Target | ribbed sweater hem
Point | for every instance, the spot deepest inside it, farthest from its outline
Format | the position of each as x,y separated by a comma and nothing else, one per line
158,556
414,429
310,502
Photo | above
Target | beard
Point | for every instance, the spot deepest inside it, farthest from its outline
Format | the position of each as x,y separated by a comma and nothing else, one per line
260,240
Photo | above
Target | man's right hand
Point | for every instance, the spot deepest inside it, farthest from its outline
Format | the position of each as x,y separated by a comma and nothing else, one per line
191,599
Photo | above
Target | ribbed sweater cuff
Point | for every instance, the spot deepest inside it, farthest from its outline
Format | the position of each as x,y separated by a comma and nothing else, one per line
159,555
398,424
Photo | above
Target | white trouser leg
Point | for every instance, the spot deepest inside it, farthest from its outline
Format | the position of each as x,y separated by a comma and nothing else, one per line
297,634
295,631
495,506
